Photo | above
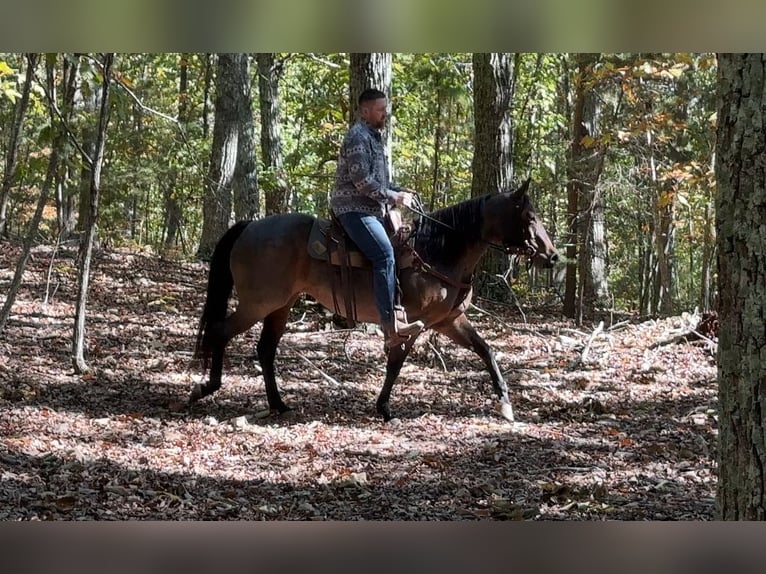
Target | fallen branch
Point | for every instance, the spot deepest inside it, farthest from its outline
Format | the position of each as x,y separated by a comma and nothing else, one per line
593,336
325,376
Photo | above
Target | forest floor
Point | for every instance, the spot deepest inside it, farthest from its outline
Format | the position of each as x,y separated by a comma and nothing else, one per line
610,425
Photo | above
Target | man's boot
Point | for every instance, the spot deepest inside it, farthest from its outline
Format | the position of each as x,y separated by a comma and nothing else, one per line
399,331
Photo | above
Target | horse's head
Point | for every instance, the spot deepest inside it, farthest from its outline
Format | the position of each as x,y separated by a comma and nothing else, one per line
510,219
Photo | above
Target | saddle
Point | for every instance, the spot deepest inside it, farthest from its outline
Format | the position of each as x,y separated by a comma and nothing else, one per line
328,242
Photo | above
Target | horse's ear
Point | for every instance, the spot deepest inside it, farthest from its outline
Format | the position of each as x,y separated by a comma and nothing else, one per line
523,189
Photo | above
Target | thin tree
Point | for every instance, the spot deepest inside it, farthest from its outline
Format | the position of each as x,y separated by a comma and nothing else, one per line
741,242
172,192
14,142
277,191
86,246
50,176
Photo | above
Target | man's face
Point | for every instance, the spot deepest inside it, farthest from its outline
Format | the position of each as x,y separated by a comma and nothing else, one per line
374,113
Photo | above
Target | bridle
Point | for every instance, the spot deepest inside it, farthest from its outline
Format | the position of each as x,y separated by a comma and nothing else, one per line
530,248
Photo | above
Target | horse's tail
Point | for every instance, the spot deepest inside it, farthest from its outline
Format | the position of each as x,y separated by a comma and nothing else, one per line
219,286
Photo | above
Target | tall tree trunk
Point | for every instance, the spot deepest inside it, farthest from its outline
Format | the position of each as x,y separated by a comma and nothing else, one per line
65,212
371,70
172,191
86,246
740,221
14,142
277,191
493,81
50,180
492,164
208,86
247,204
586,282
216,208
88,100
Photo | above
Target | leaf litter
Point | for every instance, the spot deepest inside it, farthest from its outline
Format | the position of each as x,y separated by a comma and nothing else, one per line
610,425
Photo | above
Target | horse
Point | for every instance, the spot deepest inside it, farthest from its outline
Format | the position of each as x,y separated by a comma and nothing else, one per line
268,263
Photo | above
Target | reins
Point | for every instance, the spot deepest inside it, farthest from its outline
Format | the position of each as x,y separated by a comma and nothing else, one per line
417,208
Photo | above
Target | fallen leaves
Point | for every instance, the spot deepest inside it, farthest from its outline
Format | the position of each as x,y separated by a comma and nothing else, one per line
608,427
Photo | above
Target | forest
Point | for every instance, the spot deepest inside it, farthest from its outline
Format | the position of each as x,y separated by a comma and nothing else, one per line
122,171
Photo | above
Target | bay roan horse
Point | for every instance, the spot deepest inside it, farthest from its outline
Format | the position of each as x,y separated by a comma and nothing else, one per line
267,261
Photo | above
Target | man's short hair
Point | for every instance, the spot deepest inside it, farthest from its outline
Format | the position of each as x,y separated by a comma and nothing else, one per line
369,95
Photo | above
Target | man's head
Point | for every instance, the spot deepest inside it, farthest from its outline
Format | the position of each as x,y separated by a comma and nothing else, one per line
372,107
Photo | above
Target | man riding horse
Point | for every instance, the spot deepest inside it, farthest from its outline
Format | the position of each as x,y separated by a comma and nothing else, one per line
361,196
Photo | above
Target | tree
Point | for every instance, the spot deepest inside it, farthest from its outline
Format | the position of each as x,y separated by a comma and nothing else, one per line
277,191
231,117
493,86
492,165
14,142
172,205
86,246
247,204
586,275
740,220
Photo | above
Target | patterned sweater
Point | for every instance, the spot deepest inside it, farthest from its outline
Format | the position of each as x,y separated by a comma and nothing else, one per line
362,179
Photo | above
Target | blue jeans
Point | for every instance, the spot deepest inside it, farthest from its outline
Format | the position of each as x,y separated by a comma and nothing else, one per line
369,234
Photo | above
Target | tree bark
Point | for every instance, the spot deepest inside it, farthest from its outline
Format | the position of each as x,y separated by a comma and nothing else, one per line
86,246
741,241
492,164
14,142
277,191
216,209
245,183
586,280
172,205
493,82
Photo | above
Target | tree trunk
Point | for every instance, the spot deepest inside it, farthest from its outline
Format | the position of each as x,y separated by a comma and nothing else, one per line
216,209
277,191
50,179
172,191
371,70
14,142
247,203
65,212
586,283
88,100
86,246
741,242
492,164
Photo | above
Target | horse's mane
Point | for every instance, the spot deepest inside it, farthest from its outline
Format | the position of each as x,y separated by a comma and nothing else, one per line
438,243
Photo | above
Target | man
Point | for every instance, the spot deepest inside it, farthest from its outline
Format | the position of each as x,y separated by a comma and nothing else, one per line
361,196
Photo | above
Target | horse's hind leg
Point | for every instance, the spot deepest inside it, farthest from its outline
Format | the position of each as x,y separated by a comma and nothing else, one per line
273,328
464,334
238,322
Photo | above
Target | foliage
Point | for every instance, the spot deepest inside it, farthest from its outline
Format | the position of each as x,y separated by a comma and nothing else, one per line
150,156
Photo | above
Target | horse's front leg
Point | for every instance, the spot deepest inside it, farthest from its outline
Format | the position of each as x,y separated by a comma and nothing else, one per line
396,357
464,334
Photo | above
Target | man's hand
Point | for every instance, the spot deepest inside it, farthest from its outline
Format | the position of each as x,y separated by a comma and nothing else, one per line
405,198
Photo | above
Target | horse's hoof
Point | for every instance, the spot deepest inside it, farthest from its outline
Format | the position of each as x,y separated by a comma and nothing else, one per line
506,411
